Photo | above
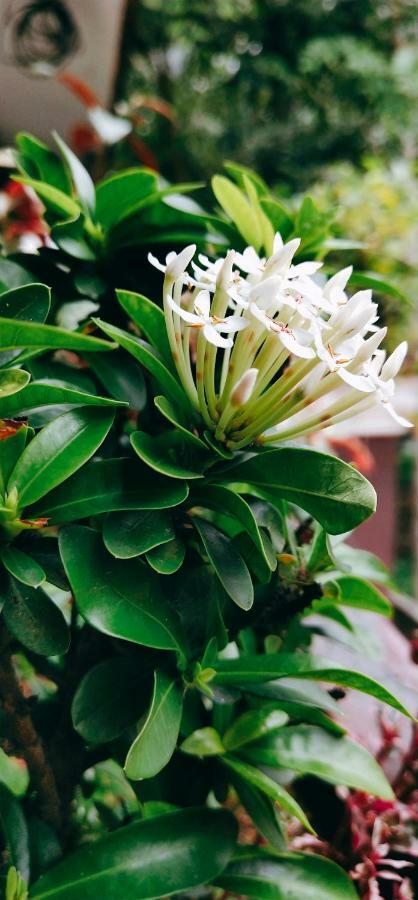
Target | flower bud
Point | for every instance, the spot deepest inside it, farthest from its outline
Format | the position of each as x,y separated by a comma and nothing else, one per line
244,387
179,262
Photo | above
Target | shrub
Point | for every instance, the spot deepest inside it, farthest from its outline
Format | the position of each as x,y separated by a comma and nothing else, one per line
147,468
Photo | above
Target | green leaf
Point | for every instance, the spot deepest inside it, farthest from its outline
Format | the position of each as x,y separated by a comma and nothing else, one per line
128,534
110,484
263,812
252,725
121,376
15,334
278,215
307,749
150,319
119,598
363,563
172,415
203,742
57,451
170,454
321,557
373,281
15,831
120,195
12,381
36,621
13,774
286,876
81,179
195,844
29,303
360,594
39,394
227,562
267,786
108,699
12,275
38,160
151,360
156,741
248,669
167,558
338,496
231,504
56,202
23,567
10,449
238,208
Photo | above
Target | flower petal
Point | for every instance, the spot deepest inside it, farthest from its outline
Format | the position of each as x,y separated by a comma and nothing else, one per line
202,305
184,314
213,337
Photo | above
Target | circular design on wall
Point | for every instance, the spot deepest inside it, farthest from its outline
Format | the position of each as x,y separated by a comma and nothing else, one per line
40,36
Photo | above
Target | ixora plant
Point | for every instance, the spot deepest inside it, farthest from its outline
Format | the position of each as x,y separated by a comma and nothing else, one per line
170,550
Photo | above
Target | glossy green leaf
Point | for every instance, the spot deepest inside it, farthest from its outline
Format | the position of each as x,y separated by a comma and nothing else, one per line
307,749
167,558
118,196
111,696
81,179
54,199
270,666
150,359
39,394
29,303
150,319
16,334
157,737
203,742
335,493
39,161
110,484
252,725
278,215
12,381
170,454
173,415
11,448
195,844
267,786
15,831
57,451
121,376
264,812
238,208
22,566
13,774
286,876
231,504
227,562
358,593
36,621
130,533
119,598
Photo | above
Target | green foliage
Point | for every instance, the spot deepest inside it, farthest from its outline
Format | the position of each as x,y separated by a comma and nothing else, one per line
178,673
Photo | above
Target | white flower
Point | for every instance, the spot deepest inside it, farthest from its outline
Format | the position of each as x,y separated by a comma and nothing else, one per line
293,339
212,325
295,356
175,263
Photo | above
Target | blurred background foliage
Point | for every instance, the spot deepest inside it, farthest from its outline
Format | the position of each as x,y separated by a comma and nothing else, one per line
284,86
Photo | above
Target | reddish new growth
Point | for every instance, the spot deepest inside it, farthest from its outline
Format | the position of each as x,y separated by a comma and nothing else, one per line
378,841
21,218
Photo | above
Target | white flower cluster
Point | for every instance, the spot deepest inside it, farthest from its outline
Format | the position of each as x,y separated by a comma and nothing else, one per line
297,355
